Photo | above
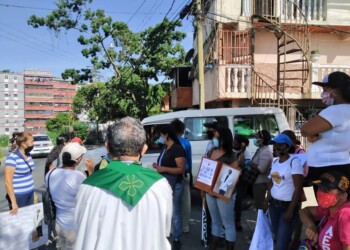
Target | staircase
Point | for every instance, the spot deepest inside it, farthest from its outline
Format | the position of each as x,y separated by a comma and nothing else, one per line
289,24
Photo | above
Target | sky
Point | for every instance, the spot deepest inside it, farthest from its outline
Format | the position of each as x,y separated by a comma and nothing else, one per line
23,47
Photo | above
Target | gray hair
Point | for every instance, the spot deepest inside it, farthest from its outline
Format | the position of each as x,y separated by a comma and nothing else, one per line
126,137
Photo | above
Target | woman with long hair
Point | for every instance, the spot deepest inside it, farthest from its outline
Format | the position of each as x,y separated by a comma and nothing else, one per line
171,164
53,159
222,212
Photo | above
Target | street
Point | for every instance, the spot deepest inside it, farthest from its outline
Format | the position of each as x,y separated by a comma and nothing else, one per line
191,240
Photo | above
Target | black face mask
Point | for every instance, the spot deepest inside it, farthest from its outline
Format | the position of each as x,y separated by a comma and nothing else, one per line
210,134
28,149
237,148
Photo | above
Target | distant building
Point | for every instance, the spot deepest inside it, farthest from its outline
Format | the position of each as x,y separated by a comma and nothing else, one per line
11,103
45,96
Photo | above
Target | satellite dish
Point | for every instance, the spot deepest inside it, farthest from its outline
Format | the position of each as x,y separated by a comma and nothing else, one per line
189,55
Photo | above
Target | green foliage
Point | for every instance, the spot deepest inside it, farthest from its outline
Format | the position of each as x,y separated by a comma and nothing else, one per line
81,129
4,141
135,58
53,136
58,123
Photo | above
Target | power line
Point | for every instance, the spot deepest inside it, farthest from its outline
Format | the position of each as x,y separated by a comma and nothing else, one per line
144,1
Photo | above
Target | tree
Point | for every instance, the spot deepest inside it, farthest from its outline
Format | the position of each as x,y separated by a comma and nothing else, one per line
58,123
136,58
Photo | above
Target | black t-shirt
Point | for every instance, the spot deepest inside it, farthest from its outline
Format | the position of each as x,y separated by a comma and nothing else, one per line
167,159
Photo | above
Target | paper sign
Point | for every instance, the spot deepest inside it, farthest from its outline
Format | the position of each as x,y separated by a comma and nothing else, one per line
207,171
16,231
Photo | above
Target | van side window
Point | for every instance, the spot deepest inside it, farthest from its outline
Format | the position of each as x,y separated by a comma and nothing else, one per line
152,134
194,129
248,125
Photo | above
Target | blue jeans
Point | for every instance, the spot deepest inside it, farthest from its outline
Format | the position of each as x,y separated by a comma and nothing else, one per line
222,216
281,229
177,205
22,200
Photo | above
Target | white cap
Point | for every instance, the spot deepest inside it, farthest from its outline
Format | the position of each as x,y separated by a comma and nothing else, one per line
74,149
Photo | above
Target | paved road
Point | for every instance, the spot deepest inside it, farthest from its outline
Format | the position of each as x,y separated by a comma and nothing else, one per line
191,240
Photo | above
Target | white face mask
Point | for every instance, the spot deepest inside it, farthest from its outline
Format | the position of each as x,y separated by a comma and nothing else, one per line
326,98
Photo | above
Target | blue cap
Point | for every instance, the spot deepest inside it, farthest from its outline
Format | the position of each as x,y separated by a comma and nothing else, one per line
282,139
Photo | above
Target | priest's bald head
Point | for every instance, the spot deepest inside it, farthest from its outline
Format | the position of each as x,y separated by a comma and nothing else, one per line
126,139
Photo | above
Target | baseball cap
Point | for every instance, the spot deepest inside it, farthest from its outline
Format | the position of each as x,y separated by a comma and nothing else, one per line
281,139
333,180
74,149
213,124
334,80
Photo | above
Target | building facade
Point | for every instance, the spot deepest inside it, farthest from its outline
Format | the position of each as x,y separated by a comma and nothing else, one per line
268,52
45,96
11,103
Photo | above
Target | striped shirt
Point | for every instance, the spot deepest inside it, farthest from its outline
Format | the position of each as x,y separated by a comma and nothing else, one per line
22,179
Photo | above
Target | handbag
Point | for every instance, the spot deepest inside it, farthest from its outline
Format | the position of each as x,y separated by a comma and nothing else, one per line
49,205
250,175
262,238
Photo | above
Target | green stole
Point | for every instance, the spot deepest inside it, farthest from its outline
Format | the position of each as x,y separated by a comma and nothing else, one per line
128,182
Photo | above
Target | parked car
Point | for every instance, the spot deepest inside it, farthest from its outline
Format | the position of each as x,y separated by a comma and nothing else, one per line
42,145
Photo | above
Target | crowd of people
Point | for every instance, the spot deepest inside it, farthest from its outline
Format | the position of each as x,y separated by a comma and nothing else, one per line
118,204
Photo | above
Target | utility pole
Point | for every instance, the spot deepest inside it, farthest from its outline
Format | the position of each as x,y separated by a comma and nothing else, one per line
200,54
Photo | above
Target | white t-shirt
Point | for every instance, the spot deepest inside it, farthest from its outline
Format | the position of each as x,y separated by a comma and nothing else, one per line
333,148
64,185
281,175
104,221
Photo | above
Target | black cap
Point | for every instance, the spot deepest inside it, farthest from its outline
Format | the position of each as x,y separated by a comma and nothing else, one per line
333,180
213,124
334,80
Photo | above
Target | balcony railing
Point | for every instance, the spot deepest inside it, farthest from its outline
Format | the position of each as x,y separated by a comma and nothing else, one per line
286,9
238,79
320,70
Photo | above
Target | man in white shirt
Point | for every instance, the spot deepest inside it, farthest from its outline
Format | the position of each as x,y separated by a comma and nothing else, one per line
124,206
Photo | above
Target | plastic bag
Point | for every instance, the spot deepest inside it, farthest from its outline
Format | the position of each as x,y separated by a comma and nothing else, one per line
262,238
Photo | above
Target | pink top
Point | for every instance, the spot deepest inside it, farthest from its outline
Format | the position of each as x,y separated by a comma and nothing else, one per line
334,230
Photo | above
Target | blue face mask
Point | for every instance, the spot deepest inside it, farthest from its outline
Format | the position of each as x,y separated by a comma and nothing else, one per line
216,143
161,140
255,142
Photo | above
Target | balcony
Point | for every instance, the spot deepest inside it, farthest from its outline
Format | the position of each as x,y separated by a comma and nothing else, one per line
38,107
39,116
235,81
318,71
313,10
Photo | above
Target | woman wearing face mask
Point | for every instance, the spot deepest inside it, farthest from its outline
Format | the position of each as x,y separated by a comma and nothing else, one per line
171,164
18,174
222,212
332,213
261,161
285,188
329,131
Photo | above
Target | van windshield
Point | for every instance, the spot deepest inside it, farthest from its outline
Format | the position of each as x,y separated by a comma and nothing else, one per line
41,138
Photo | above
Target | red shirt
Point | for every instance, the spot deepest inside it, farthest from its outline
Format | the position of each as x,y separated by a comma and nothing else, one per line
335,228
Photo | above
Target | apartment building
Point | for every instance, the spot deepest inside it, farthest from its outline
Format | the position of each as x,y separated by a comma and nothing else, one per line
267,53
45,96
11,103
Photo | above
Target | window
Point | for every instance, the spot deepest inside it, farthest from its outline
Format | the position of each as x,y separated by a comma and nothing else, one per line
6,86
15,86
14,77
15,112
15,104
6,103
6,77
15,95
248,125
6,94
195,130
7,130
6,121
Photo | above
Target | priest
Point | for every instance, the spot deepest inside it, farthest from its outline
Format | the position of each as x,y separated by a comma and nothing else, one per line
124,206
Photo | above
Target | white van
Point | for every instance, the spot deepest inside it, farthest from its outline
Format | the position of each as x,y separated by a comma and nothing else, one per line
245,121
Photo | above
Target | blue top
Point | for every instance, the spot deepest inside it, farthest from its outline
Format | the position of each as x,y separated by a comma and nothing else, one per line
22,179
188,150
